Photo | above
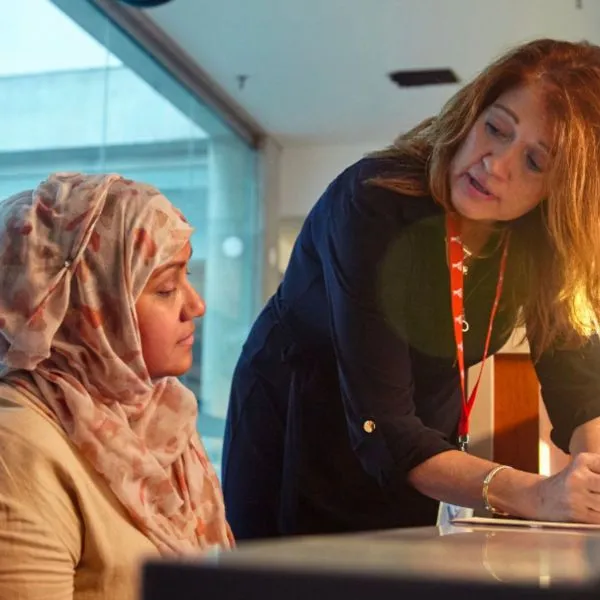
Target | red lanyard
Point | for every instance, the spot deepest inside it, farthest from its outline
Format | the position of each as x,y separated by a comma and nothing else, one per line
455,257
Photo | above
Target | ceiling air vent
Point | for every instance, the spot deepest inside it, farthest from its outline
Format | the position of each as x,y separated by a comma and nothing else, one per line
423,77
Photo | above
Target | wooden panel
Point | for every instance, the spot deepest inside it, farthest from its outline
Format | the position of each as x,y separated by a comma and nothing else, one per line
516,412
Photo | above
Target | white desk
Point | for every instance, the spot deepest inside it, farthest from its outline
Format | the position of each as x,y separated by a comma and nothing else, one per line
494,563
530,556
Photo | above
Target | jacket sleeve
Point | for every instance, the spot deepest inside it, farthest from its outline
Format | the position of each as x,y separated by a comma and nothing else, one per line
364,255
570,384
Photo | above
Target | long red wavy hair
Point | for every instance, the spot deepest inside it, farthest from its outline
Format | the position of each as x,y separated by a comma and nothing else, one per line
559,242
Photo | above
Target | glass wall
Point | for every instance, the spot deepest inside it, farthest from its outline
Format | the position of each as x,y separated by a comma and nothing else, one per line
76,94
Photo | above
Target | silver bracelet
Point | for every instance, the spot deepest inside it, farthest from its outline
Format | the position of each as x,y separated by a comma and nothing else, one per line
486,487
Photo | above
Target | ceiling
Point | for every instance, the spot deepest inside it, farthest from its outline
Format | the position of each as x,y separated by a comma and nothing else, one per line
317,69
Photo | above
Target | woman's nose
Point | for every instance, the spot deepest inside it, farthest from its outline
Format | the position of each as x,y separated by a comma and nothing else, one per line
498,163
200,306
194,306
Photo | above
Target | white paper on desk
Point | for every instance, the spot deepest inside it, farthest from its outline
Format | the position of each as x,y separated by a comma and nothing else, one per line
448,513
488,522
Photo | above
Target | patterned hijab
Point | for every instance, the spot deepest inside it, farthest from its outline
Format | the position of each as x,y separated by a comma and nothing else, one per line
75,254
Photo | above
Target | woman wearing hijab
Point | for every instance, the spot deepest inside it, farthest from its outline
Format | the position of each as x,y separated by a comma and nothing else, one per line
100,461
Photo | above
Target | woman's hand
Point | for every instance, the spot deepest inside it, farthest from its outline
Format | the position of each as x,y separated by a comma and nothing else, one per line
573,494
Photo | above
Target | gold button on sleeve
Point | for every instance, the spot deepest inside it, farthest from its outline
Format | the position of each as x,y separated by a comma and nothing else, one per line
369,426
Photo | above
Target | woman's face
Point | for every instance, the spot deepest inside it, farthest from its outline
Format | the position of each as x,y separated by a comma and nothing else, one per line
500,171
166,310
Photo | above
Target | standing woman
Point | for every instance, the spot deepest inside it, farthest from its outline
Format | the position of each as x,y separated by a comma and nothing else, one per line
100,461
348,405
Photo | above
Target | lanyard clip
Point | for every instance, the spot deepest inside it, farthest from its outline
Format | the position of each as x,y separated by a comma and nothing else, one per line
463,442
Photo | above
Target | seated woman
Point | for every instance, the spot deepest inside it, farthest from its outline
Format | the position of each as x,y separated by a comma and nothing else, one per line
101,464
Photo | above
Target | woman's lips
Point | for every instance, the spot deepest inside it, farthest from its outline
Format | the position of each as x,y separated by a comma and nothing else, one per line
187,341
476,188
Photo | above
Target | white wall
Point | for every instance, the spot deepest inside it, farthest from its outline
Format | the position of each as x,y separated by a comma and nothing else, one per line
306,170
269,168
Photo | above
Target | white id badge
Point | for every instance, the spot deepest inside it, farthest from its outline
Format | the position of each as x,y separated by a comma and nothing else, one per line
448,512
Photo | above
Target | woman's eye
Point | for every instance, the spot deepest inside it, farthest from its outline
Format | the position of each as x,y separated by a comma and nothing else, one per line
166,293
495,131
